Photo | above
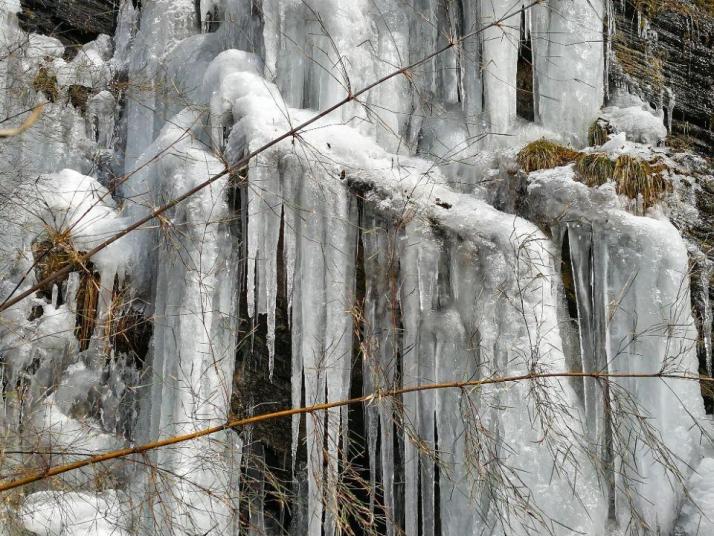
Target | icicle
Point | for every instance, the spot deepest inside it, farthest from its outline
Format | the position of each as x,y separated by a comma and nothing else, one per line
569,71
339,250
500,59
409,301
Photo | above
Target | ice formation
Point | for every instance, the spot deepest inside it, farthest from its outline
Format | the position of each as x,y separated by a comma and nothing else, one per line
404,240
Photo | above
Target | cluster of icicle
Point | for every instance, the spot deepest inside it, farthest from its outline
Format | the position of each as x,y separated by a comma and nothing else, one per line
454,288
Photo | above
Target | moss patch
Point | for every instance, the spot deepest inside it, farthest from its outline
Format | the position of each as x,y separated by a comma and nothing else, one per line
545,154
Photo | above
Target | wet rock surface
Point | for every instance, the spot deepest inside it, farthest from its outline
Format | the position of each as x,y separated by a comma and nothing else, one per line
663,51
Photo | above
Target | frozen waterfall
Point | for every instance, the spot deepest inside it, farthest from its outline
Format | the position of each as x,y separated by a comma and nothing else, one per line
393,242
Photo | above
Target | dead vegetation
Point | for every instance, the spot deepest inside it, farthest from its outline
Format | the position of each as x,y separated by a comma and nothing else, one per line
78,96
687,8
545,154
46,82
87,302
127,329
633,176
598,132
52,253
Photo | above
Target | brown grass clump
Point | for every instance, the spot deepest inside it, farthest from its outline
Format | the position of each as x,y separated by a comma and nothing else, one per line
544,154
636,177
52,254
632,176
598,132
87,302
594,168
46,82
79,96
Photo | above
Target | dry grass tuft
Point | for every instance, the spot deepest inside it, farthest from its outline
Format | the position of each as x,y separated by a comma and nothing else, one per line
633,177
598,132
544,154
636,177
594,168
87,302
52,254
56,252
46,82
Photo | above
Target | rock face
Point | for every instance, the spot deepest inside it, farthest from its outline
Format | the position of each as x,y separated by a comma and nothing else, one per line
663,51
74,22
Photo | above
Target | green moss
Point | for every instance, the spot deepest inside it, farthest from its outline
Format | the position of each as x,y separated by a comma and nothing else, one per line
544,154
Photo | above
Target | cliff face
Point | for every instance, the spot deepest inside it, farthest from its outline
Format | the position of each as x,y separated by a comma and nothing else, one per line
337,265
74,22
663,50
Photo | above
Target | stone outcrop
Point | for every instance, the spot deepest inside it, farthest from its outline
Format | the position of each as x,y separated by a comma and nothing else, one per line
74,22
663,51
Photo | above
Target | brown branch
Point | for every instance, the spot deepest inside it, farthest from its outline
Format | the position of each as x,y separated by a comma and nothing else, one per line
243,163
238,423
31,120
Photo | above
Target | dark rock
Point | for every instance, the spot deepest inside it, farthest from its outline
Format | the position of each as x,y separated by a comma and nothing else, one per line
74,22
669,63
78,96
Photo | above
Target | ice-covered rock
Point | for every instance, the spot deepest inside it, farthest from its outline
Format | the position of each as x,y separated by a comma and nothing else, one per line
697,515
638,123
56,513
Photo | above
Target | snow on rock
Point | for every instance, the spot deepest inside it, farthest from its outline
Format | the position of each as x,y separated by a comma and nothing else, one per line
637,122
56,513
697,515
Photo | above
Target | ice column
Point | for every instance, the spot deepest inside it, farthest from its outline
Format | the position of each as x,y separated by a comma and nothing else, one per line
193,347
568,49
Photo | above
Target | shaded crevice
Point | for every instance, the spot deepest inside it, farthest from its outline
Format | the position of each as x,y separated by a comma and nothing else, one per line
358,455
212,20
255,392
524,75
568,278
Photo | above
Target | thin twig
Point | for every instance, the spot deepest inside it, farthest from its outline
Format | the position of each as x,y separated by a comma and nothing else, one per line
238,423
243,163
